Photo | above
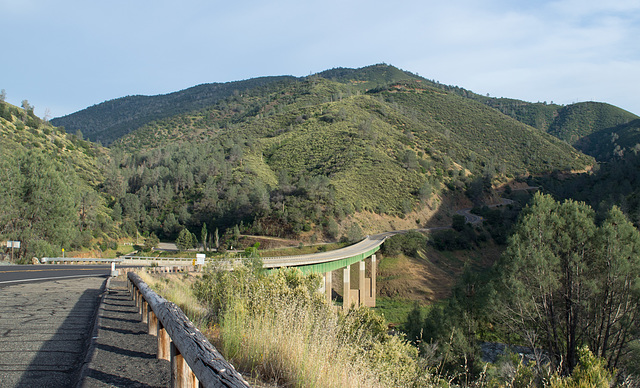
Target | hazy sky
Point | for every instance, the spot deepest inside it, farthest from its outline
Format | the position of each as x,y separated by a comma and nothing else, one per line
66,55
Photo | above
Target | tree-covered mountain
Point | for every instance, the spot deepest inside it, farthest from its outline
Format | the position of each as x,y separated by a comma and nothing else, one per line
310,158
572,123
303,158
612,142
110,120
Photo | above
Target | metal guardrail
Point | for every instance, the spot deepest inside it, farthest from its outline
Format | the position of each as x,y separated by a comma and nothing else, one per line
72,259
194,361
157,258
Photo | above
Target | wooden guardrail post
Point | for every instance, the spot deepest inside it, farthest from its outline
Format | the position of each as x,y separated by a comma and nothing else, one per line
145,311
164,343
181,375
152,324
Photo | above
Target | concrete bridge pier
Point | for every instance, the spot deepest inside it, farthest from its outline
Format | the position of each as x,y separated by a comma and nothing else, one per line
346,289
370,284
328,285
365,292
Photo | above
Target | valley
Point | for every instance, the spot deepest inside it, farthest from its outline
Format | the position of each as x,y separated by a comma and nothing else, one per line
318,162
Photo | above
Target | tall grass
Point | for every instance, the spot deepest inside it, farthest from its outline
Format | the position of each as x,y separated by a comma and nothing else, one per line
179,290
278,327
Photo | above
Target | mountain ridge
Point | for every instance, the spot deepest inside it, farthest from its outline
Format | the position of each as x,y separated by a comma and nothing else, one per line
111,120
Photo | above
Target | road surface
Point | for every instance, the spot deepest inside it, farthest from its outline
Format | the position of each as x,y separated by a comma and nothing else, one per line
15,274
45,329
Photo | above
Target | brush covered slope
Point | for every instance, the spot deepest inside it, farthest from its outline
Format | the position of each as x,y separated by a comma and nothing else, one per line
296,158
110,120
571,123
50,186
611,143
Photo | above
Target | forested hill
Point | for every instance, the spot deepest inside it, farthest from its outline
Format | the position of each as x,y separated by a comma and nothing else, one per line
110,120
304,159
571,123
50,192
613,142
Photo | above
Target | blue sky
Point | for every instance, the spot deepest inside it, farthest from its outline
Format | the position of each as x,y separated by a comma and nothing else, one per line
66,55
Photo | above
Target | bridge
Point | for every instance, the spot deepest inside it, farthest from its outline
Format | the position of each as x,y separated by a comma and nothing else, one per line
326,263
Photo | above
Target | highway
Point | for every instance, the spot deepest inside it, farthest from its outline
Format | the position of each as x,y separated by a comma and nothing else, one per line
16,274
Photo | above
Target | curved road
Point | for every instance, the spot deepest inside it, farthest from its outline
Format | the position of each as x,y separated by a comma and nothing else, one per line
366,245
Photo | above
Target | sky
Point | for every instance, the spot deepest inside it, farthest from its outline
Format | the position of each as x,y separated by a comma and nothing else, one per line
65,55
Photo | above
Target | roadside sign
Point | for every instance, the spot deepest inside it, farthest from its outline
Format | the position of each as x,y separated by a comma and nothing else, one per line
13,244
200,258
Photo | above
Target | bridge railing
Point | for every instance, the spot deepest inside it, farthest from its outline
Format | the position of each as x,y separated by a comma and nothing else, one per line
54,260
150,258
194,361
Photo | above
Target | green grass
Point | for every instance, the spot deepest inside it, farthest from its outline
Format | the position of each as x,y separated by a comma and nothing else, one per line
395,310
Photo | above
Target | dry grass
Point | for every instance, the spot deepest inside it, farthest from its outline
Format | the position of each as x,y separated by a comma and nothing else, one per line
177,288
282,332
294,348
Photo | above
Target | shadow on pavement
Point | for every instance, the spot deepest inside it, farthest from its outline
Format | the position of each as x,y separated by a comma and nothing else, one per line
59,360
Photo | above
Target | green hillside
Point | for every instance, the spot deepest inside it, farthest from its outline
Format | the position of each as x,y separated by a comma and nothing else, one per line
612,142
50,182
110,120
570,123
579,120
297,158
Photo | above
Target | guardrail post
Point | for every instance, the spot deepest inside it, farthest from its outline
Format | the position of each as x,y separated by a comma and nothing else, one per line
181,375
145,311
140,301
152,324
164,343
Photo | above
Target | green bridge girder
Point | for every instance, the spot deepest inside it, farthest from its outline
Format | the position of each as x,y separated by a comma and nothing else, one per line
328,266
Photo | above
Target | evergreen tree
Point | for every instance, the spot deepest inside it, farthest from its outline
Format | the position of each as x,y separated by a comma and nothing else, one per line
185,240
151,242
203,236
564,282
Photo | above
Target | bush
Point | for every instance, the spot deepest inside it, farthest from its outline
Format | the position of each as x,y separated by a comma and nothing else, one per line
591,371
408,243
185,240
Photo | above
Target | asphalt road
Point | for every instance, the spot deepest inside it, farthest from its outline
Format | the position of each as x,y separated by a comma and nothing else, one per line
15,274
45,329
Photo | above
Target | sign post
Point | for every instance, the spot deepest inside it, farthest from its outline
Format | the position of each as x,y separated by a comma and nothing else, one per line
13,244
199,261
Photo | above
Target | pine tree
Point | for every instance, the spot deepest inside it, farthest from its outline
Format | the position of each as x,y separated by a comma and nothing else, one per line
185,240
565,282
